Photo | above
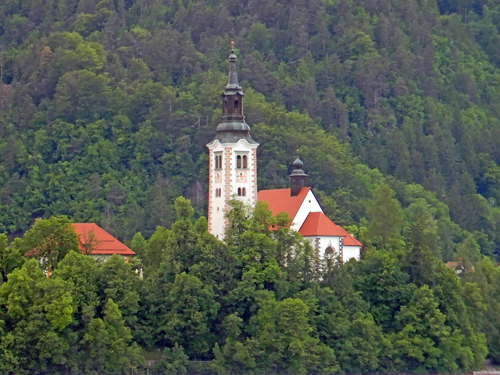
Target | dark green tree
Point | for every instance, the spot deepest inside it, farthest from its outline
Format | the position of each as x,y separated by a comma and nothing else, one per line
108,343
188,314
423,244
282,340
117,281
174,362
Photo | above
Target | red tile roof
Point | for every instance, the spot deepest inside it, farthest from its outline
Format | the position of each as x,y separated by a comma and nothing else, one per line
318,224
106,243
280,200
350,240
453,264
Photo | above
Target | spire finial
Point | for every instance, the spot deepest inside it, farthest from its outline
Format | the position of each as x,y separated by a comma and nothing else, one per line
233,76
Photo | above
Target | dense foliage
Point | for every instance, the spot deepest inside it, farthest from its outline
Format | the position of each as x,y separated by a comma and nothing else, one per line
106,107
263,302
105,110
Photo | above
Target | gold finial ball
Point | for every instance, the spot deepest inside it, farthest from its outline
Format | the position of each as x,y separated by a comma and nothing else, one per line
232,44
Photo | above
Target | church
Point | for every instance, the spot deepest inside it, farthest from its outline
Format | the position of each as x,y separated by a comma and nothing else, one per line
232,173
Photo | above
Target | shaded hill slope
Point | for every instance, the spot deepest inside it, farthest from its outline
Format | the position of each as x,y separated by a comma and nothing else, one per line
107,106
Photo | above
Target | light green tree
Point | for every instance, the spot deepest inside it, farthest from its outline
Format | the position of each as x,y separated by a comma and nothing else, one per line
34,310
385,218
139,245
49,240
81,273
10,258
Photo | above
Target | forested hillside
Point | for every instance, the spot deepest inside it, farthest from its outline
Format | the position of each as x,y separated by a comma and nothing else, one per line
106,107
105,110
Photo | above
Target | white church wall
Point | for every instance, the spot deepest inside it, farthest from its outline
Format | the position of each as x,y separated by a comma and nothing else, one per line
351,252
215,201
322,242
309,204
104,257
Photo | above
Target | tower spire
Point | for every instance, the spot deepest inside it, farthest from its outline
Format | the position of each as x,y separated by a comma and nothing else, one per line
233,125
232,81
232,165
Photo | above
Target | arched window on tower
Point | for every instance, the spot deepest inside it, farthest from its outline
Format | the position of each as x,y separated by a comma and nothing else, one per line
236,103
218,160
244,192
239,192
245,161
238,161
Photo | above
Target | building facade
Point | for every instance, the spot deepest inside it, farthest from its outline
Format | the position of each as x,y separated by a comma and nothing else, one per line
232,157
233,175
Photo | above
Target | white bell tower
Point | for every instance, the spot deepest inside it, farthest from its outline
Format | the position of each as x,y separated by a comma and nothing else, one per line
232,161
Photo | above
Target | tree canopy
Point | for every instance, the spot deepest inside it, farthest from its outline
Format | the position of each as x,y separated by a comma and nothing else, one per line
261,302
105,111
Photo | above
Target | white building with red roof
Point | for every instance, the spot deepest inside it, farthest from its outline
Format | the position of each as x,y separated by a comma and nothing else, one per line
297,206
232,173
309,219
98,243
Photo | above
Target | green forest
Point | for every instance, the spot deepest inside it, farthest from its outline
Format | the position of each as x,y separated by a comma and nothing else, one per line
261,302
105,111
